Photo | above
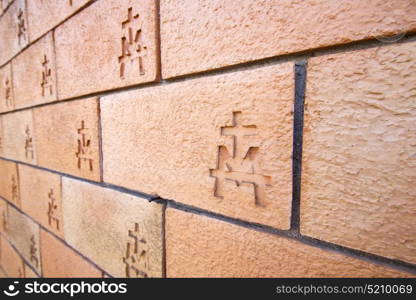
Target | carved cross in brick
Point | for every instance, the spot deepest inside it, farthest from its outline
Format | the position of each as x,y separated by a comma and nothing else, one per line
46,83
8,90
29,150
83,147
132,48
241,167
52,210
136,260
33,251
21,27
4,220
15,193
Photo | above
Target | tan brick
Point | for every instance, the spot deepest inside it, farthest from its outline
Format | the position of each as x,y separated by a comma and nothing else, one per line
10,260
198,246
24,234
40,194
199,35
90,44
34,76
9,182
170,140
102,224
13,22
4,216
6,89
67,135
58,260
19,136
46,14
359,192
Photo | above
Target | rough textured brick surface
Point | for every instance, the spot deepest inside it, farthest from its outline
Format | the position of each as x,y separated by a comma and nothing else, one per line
29,273
359,192
10,261
45,14
176,140
40,196
19,136
9,182
24,234
34,75
90,44
198,35
58,260
67,135
198,246
6,89
113,229
13,22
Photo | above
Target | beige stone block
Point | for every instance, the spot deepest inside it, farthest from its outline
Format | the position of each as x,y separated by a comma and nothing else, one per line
34,74
45,14
221,143
359,166
40,194
24,234
198,246
13,31
67,135
10,260
198,35
6,88
9,182
93,45
121,233
58,260
19,142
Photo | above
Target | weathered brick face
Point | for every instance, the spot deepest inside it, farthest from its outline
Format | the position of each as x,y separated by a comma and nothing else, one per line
207,138
359,192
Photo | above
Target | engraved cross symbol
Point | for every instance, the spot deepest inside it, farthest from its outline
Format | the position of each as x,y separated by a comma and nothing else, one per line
29,144
46,75
33,251
132,48
83,150
136,254
8,92
52,210
21,27
4,221
241,168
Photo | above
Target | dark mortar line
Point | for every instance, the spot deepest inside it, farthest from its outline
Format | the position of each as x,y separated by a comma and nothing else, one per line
245,66
300,84
54,235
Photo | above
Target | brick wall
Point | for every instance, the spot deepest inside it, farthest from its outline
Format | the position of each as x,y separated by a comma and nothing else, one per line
186,138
